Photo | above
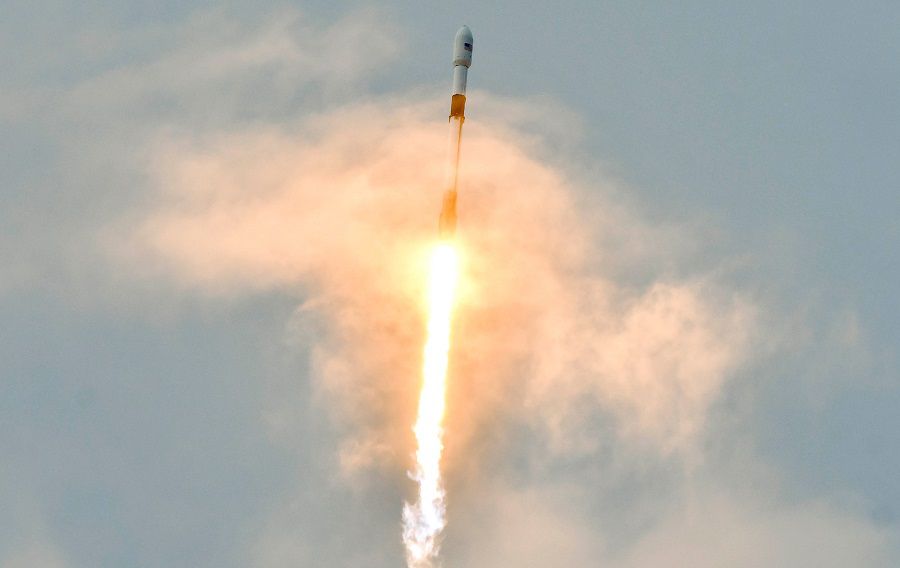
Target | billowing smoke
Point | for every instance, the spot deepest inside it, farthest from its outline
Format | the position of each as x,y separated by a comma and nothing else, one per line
341,210
549,337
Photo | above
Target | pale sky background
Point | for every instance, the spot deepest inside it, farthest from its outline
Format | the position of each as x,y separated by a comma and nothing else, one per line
155,417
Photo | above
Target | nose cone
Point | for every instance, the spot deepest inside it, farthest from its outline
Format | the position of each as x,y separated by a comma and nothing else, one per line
462,47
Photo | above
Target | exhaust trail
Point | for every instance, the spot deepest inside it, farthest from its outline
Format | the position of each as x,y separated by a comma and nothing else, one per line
424,520
447,219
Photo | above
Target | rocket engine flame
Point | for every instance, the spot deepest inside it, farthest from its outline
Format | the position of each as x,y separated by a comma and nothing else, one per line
424,520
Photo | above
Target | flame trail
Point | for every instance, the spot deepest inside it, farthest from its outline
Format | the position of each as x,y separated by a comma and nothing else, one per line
424,520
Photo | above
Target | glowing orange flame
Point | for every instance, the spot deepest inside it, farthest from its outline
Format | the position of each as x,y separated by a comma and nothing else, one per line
424,520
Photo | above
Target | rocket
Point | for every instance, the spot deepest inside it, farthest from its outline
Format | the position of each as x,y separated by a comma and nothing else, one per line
462,59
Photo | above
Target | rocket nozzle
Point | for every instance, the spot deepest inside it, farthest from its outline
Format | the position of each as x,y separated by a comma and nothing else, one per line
458,106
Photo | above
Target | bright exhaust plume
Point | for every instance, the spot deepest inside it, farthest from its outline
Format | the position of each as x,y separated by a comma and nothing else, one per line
424,520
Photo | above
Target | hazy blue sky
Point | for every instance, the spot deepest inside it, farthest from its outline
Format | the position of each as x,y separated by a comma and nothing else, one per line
170,400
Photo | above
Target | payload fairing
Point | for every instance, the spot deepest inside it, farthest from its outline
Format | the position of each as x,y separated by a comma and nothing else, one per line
462,59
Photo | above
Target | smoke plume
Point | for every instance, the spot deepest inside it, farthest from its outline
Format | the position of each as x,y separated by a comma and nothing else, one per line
341,209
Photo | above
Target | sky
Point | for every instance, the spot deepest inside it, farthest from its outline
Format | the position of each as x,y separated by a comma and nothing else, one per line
677,331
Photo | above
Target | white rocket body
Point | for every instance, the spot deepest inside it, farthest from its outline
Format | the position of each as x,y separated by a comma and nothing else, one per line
462,59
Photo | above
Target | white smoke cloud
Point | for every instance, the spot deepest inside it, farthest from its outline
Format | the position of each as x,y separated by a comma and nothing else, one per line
343,208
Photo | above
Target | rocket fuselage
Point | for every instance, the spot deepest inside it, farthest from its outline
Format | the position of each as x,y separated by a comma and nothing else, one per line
462,59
